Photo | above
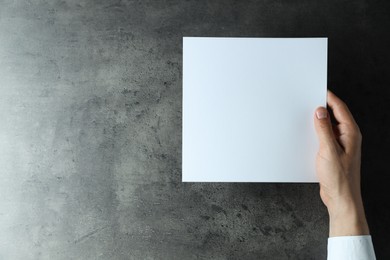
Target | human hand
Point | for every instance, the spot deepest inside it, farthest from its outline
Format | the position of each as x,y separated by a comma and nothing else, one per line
338,169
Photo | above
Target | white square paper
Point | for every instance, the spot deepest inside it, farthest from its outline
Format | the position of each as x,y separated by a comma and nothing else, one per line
248,107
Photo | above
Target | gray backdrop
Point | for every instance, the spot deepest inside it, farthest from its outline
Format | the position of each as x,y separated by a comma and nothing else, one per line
90,131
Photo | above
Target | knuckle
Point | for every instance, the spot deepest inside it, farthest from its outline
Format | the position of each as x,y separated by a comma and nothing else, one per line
356,134
341,105
324,127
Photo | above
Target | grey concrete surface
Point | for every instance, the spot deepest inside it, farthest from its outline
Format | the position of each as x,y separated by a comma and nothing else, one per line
90,132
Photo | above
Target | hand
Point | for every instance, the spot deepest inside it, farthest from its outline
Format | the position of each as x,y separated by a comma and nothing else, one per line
338,169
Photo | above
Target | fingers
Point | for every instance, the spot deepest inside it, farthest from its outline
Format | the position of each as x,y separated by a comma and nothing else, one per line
340,110
347,137
324,128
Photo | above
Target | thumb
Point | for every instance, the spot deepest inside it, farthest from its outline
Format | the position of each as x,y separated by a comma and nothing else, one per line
324,128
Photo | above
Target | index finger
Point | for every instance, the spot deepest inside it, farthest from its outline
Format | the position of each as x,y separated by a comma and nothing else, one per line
340,110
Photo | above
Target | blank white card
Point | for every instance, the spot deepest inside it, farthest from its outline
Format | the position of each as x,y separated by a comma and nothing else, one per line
248,108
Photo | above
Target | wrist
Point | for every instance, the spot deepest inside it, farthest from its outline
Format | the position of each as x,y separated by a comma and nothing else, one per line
348,219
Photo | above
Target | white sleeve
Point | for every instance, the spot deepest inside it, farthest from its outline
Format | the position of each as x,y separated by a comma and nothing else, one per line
351,247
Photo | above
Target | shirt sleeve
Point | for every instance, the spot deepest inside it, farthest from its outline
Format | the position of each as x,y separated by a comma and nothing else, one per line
351,247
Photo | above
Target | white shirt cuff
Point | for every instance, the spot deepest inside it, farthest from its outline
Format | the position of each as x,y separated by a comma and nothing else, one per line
350,248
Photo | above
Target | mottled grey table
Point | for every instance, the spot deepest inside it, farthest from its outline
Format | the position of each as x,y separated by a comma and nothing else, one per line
90,132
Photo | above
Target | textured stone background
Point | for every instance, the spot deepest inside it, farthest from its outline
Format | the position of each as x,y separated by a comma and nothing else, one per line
90,132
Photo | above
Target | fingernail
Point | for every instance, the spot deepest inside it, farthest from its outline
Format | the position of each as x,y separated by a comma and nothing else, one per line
321,114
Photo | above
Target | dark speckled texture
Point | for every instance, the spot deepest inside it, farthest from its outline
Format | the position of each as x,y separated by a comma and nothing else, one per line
90,138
